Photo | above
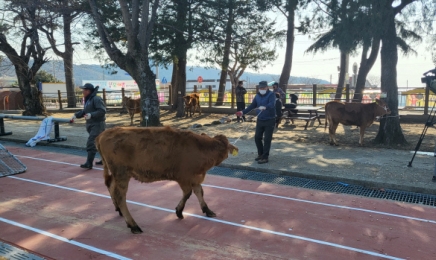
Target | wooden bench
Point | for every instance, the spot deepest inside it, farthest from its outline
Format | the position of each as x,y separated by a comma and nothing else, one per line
56,122
306,113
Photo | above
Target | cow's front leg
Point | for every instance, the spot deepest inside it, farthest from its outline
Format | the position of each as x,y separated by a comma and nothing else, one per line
198,191
187,191
362,132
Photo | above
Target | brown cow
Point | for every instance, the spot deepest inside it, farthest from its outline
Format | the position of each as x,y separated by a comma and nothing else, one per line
192,102
362,115
155,154
133,106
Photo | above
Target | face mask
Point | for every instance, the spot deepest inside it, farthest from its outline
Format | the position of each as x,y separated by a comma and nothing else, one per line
262,91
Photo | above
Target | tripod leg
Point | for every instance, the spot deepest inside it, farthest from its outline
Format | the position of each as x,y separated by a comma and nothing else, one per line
434,171
418,145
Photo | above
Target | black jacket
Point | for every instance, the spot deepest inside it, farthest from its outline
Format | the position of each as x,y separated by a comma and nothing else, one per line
95,106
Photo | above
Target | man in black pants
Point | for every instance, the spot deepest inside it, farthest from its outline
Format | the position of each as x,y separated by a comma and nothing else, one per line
240,92
94,112
264,102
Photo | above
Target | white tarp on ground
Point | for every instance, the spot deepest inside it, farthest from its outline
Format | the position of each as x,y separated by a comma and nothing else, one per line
43,132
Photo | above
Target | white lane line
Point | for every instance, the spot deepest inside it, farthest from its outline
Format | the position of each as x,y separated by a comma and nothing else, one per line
63,239
323,204
283,197
321,242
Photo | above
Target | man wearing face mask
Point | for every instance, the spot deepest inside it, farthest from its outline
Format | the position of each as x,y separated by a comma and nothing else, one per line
264,103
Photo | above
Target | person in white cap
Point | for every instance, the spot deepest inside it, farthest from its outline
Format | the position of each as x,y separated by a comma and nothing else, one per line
94,112
264,102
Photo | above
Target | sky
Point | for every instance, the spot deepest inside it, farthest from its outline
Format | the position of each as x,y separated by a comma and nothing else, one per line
410,68
324,65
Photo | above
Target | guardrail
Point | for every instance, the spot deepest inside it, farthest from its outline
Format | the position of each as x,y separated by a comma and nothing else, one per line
314,96
56,122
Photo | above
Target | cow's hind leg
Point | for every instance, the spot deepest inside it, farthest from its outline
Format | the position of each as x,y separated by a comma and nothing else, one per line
198,191
110,184
118,193
332,133
187,191
362,132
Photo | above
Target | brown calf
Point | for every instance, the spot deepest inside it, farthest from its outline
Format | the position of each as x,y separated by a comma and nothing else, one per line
362,115
155,154
133,106
192,102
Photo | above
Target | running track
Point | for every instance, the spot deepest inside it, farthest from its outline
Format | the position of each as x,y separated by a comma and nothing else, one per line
60,211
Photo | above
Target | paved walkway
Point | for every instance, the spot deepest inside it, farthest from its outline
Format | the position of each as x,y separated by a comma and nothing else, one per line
375,168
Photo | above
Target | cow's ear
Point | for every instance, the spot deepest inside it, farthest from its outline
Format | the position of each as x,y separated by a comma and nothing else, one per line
222,139
377,100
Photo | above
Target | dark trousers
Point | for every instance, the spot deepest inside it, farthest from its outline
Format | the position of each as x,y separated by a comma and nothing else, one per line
239,107
264,132
93,129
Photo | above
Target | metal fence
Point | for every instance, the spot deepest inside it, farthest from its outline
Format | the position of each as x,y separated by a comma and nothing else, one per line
208,97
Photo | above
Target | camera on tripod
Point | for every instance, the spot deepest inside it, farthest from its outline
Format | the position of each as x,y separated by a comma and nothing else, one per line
430,80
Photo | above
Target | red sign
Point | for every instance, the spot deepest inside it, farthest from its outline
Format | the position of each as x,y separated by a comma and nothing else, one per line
199,79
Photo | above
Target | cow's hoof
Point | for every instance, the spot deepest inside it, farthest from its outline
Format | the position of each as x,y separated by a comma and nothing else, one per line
136,230
209,213
179,214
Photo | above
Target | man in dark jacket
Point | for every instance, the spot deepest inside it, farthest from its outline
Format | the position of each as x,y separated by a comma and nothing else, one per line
240,92
94,112
277,89
264,102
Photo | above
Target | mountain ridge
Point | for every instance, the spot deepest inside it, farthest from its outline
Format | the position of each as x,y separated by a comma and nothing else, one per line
97,72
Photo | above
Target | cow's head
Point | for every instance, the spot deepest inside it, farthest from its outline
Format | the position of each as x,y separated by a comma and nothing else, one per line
126,100
382,108
230,147
187,100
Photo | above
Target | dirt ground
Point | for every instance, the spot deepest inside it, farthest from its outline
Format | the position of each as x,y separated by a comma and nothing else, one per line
347,136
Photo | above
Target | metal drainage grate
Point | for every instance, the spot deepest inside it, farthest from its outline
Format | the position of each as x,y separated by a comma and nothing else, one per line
11,253
338,187
9,164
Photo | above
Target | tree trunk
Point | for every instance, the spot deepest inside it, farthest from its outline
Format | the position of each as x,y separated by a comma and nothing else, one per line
32,97
136,59
365,67
226,59
342,75
174,86
390,132
68,62
146,80
286,71
181,84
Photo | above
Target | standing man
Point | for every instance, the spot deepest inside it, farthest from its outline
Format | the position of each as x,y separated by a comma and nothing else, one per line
264,102
94,112
276,89
240,92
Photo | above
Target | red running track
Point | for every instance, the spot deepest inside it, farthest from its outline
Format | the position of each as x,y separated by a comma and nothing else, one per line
64,212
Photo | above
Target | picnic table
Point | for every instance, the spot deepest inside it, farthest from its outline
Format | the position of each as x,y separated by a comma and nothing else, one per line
306,113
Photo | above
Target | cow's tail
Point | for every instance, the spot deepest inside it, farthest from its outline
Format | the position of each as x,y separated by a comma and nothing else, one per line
106,174
326,116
